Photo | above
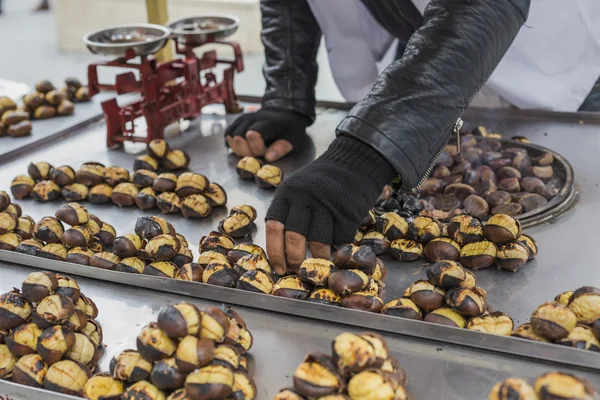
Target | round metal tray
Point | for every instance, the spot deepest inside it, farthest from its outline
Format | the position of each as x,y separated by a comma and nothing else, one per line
202,29
143,39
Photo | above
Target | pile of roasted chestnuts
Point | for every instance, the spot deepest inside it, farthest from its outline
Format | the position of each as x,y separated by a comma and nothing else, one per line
14,121
450,296
188,193
572,319
47,101
550,386
48,334
489,177
464,238
265,175
360,367
188,354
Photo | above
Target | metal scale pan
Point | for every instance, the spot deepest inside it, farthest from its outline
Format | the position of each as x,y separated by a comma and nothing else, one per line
201,29
119,41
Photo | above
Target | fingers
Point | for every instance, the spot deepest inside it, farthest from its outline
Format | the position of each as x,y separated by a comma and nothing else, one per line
276,245
295,249
278,149
256,143
240,147
320,250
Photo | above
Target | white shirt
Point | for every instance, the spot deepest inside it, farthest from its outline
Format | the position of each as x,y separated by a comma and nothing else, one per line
552,64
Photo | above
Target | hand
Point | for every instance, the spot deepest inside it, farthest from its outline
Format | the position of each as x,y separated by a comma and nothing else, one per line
269,132
323,203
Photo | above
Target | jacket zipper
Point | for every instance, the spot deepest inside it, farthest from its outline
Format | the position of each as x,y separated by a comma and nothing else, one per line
456,131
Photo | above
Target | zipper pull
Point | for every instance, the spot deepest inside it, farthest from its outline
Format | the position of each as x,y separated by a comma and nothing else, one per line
456,130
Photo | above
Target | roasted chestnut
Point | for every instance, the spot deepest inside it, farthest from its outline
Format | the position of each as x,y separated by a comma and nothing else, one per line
153,343
168,203
49,230
403,308
345,282
30,370
14,209
238,225
220,274
176,159
210,382
38,285
195,206
129,366
325,296
8,222
7,362
90,174
376,241
215,324
269,176
9,241
132,265
77,236
445,316
288,394
40,171
252,262
210,256
292,287
180,320
104,260
45,191
469,302
193,353
165,269
406,250
184,256
93,330
25,227
478,255
244,249
530,244
68,287
144,178
166,375
441,249
157,148
553,321
512,388
243,387
83,351
247,167
53,251
447,274
316,271
77,321
165,182
103,387
107,234
426,295
256,280
54,342
124,194
216,195
163,247
216,241
75,192
128,245
178,395
227,356
585,303
115,175
424,229
29,246
501,229
190,183
512,256
374,383
21,186
190,272
558,385
464,229
53,310
149,227
580,337
100,194
145,162
564,297
352,353
364,301
23,339
318,375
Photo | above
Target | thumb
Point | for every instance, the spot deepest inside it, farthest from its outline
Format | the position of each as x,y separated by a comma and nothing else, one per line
278,149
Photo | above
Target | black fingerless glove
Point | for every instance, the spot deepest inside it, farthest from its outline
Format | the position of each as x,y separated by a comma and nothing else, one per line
273,124
326,200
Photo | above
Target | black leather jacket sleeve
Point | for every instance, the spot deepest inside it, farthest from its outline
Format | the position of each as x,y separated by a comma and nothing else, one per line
291,37
410,112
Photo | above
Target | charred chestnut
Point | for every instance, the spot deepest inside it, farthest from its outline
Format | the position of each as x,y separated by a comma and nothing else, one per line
425,229
100,194
107,234
501,229
23,339
75,192
553,321
512,256
53,310
252,262
77,321
244,249
227,356
25,227
406,250
376,241
145,162
238,224
464,229
352,353
292,287
183,257
144,178
195,206
512,388
30,370
325,296
76,236
469,302
166,375
176,159
364,301
216,195
403,308
40,171
103,387
243,387
220,274
247,167
7,362
376,384
129,366
54,342
190,272
67,287
316,271
478,255
115,175
447,274
526,331
190,183
558,385
215,324
210,382
49,230
426,295
104,260
318,376
9,241
73,214
193,353
216,241
53,251
45,191
93,330
168,203
29,246
163,247
180,320
90,174
165,182
133,265
256,280
21,186
345,282
153,344
165,269
124,194
149,227
38,285
580,337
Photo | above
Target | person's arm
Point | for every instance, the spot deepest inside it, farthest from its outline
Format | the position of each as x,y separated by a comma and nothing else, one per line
409,114
399,128
291,37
